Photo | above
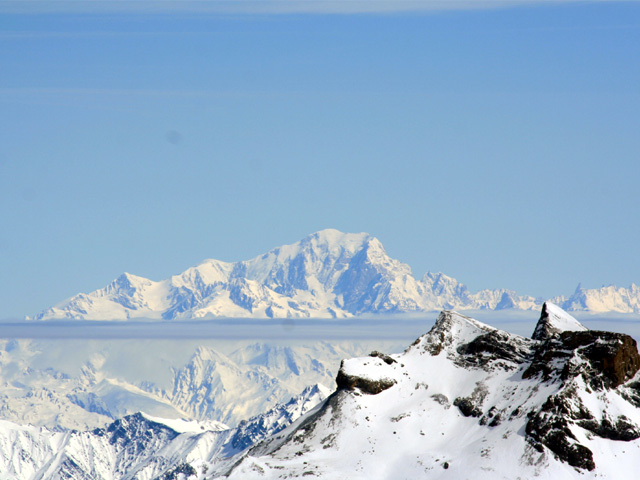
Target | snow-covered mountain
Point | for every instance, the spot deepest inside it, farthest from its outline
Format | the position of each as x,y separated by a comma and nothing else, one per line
604,299
327,274
43,385
250,380
465,400
139,446
469,401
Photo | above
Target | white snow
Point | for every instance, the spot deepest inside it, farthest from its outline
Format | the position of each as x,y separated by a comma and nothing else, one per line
561,320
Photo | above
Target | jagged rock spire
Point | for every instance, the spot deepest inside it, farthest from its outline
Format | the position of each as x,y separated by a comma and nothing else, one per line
554,320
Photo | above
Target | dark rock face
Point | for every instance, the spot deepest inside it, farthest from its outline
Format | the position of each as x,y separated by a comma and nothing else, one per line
549,426
384,357
373,387
471,406
556,436
543,328
497,348
613,429
610,359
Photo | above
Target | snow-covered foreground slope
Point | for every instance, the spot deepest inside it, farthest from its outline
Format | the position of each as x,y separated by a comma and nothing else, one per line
327,274
469,401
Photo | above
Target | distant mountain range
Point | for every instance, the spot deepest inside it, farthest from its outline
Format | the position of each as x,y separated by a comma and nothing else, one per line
327,274
209,387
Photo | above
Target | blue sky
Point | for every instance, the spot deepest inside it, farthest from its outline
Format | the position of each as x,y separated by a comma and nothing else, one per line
497,145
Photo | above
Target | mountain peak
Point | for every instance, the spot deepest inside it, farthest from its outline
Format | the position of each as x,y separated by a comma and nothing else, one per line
333,235
326,274
331,239
561,408
451,330
554,320
455,323
130,279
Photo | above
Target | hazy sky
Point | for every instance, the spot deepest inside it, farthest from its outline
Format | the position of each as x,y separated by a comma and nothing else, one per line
497,145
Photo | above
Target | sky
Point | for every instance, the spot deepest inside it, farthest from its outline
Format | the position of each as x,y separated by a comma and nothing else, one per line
496,143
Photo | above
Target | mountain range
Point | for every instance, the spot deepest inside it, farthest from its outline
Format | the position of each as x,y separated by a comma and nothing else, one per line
139,446
464,401
326,274
84,391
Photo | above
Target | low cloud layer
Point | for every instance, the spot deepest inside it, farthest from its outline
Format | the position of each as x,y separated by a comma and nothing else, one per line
403,328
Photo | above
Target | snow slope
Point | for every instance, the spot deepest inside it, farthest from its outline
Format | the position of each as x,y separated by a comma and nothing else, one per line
468,401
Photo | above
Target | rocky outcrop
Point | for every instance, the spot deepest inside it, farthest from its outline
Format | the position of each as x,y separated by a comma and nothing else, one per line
550,427
603,359
495,348
384,357
363,384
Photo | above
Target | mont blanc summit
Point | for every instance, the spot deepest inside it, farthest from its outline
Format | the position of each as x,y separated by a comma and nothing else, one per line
326,274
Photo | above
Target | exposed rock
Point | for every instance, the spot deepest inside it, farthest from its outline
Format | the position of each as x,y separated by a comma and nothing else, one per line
383,356
441,399
471,406
619,429
631,393
366,385
550,427
496,347
181,471
604,359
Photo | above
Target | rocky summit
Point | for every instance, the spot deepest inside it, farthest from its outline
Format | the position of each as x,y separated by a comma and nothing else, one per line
467,400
